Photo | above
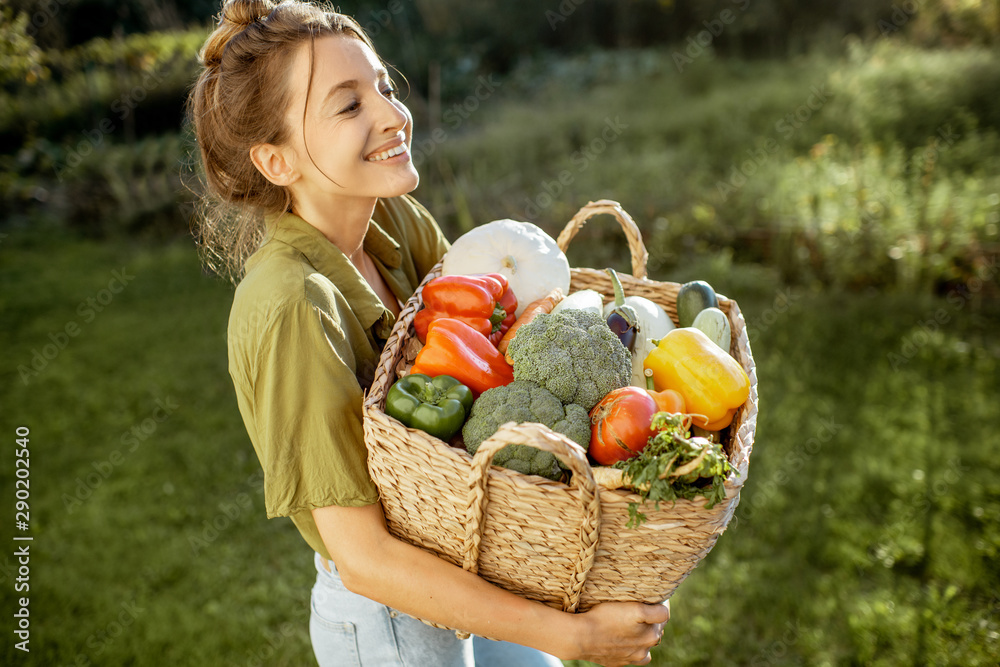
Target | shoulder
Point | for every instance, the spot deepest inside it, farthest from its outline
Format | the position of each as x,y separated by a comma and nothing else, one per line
279,289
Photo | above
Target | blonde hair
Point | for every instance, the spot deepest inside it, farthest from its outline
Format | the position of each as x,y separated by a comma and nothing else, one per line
239,101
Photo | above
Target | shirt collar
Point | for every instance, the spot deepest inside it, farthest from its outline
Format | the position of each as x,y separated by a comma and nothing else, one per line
330,260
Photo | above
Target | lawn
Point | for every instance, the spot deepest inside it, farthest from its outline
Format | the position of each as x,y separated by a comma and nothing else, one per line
868,531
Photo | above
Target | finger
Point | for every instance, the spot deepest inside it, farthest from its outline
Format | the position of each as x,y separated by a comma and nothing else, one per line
649,638
657,613
659,634
645,660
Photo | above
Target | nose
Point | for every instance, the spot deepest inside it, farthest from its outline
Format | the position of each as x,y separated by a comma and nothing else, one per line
394,116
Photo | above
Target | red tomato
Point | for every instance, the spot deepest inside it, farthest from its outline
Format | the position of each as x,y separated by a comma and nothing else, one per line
620,425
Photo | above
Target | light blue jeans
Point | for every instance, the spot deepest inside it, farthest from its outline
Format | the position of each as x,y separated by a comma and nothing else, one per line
348,630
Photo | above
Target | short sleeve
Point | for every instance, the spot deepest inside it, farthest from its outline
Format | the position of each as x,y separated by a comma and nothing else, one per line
308,415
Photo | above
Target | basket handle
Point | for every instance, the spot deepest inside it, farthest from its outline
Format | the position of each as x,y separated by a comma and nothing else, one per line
571,454
392,351
632,233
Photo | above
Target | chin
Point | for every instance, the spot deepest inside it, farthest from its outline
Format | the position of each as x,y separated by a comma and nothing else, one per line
403,184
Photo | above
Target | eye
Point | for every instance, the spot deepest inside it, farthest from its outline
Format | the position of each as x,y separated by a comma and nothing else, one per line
390,91
352,107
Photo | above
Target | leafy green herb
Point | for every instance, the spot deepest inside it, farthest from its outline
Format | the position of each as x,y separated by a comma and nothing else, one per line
674,465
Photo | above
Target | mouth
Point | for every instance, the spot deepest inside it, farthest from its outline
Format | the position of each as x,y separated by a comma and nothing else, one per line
395,148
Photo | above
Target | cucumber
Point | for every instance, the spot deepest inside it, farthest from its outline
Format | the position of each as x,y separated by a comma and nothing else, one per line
692,298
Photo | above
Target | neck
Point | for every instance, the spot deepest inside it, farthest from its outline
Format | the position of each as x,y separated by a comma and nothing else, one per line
343,222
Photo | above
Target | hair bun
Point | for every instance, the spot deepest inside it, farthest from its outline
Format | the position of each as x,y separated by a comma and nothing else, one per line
236,15
245,12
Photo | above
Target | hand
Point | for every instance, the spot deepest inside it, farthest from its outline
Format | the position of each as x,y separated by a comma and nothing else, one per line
622,633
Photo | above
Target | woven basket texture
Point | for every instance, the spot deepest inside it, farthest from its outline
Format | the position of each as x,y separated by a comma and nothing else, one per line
566,545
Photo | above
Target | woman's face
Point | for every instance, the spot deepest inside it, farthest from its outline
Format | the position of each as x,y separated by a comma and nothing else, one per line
356,130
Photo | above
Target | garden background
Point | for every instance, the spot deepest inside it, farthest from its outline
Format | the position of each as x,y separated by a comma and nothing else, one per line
834,166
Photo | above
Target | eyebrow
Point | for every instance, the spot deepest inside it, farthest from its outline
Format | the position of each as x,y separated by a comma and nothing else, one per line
352,84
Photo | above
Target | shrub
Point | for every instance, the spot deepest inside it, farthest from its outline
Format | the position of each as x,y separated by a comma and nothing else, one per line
104,81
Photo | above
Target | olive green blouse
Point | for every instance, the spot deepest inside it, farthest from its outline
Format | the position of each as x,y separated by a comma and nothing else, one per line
305,334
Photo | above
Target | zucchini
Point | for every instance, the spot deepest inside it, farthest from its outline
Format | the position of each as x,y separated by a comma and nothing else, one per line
714,324
692,298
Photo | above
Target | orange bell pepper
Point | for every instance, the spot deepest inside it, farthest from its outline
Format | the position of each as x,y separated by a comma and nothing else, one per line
484,302
712,383
456,349
667,400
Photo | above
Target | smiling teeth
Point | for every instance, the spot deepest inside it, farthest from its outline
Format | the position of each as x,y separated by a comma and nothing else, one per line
385,155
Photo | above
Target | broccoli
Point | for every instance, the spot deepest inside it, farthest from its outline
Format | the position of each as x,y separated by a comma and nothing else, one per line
573,354
522,401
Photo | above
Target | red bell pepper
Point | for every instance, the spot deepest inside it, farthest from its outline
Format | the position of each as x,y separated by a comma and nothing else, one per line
456,349
484,302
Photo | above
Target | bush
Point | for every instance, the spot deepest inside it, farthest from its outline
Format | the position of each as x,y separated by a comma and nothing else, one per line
116,189
101,84
890,93
864,216
874,169
853,171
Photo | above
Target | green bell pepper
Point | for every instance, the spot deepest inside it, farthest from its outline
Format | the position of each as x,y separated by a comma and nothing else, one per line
437,405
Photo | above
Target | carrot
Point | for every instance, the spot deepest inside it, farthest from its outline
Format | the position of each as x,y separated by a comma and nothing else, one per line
534,309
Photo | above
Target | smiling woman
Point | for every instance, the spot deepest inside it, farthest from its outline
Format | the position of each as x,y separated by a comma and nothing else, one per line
306,149
361,117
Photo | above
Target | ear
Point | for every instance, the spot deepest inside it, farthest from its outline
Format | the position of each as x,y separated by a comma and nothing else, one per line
275,163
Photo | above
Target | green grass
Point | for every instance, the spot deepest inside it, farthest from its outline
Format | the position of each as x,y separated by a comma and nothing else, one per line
122,529
868,531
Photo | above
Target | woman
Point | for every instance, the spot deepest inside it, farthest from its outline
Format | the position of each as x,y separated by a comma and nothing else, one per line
300,131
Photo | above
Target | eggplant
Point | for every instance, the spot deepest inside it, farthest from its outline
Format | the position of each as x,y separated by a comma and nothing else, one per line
623,320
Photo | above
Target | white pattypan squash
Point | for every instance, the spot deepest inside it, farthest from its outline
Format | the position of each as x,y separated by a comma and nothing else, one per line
522,252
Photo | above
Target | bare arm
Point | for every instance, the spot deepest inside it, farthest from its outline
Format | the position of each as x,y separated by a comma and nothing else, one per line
376,565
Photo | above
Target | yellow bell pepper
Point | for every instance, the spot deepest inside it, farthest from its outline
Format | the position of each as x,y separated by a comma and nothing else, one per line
713,384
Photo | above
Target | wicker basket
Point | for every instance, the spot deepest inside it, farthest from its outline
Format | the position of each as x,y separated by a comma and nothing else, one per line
563,544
